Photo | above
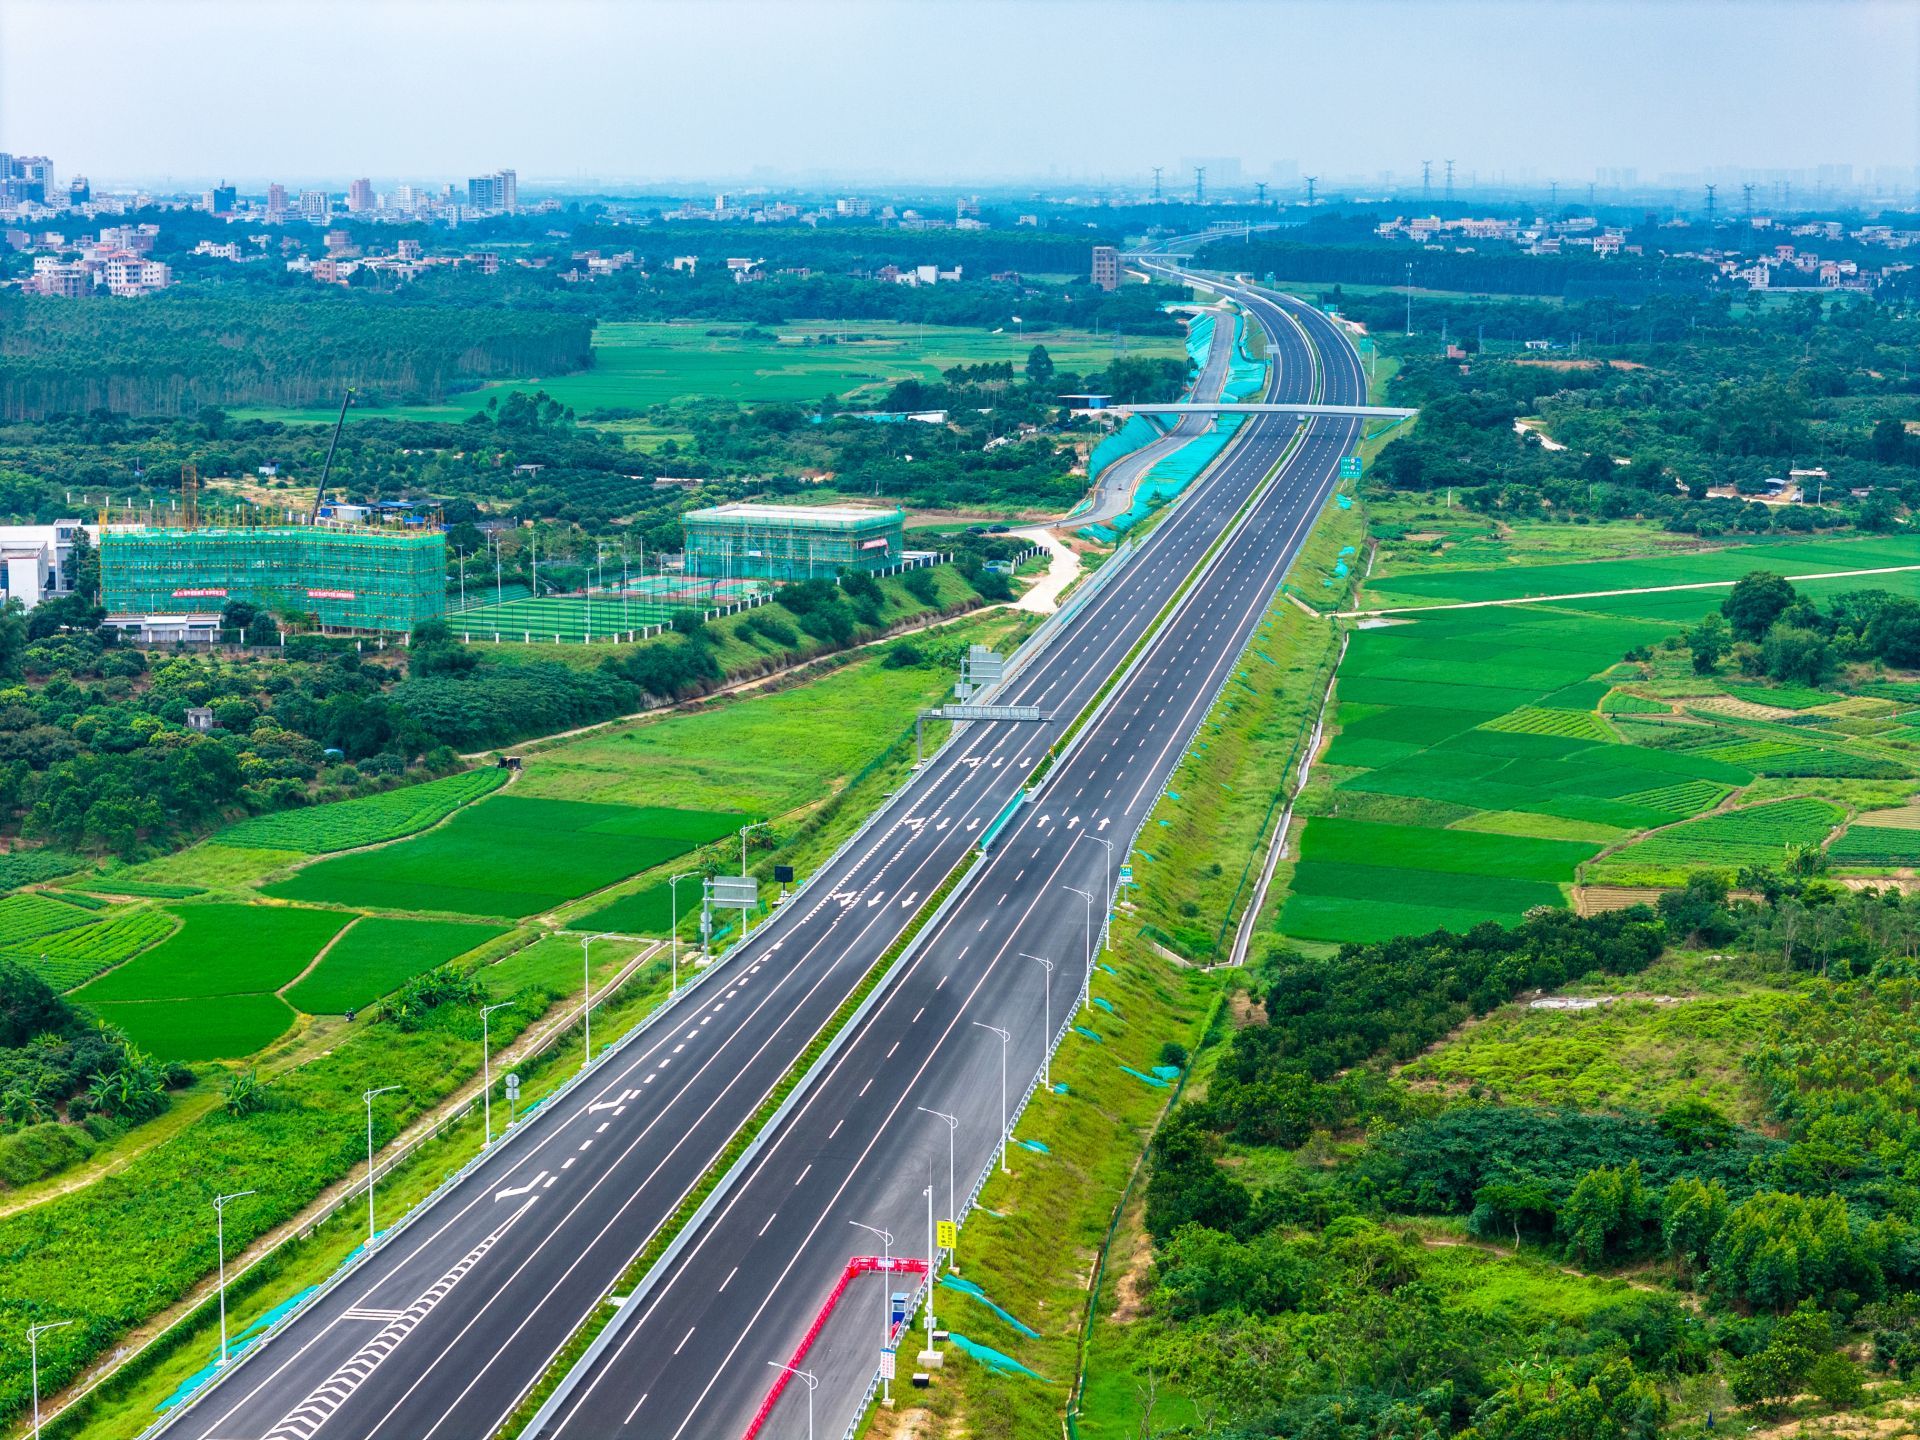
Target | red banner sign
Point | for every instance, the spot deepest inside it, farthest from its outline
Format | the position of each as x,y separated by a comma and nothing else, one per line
199,594
330,595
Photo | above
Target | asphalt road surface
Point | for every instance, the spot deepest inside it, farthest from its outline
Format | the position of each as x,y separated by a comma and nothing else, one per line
445,1328
693,1361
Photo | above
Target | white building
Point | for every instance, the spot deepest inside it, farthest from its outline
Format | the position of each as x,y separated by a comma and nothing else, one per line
33,561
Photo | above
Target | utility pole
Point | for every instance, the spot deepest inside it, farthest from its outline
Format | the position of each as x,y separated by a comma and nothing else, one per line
486,1065
1199,184
1156,184
1449,182
1426,180
1046,1036
368,1098
1311,179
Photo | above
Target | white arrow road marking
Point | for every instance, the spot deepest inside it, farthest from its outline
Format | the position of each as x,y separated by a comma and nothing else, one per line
876,899
310,1414
520,1189
908,900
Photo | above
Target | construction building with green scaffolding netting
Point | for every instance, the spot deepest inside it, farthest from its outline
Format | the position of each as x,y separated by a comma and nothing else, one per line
350,578
791,542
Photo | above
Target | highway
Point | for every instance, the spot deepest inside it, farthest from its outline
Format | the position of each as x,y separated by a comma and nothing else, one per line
1113,491
442,1331
694,1360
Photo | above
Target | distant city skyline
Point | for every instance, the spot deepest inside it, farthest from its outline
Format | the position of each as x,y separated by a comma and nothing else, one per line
1517,92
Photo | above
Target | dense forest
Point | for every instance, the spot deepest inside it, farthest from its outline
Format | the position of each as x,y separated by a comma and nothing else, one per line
1298,1300
96,754
1661,402
175,352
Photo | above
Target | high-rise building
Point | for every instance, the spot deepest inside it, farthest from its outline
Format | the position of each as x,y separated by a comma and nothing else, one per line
79,192
1106,267
498,191
360,195
315,205
37,171
276,202
222,198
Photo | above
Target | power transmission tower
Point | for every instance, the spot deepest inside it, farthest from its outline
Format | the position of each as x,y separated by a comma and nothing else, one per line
1310,183
1449,182
1156,184
1260,190
1710,190
1199,184
1589,194
1747,192
1553,194
1426,180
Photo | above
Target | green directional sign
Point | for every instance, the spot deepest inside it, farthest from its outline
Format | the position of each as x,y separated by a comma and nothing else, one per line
1350,468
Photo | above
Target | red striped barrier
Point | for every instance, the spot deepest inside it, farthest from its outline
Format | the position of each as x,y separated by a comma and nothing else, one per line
858,1265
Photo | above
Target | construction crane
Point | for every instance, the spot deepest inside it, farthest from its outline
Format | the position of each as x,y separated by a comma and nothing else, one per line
320,493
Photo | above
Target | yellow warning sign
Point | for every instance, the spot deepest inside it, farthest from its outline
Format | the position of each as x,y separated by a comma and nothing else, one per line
949,1234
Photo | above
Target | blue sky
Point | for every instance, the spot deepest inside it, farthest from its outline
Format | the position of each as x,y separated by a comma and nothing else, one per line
957,90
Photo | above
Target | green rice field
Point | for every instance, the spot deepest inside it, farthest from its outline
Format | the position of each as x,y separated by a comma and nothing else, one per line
378,955
74,956
1463,726
1787,557
365,821
1475,716
221,950
25,917
637,364
193,1030
509,856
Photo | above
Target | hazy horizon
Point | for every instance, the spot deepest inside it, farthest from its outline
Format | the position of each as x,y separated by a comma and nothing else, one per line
942,92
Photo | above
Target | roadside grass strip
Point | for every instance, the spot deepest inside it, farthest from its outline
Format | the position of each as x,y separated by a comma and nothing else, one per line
378,955
509,856
365,821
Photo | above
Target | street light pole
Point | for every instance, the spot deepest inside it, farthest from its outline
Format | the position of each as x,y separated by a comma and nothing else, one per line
673,890
34,1332
586,997
812,1384
1046,1033
220,1243
1006,1038
368,1099
486,1064
1106,919
932,1250
886,1292
953,1127
1084,895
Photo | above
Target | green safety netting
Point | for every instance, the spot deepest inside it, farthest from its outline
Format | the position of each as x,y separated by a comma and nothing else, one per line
991,1358
1246,377
1138,431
